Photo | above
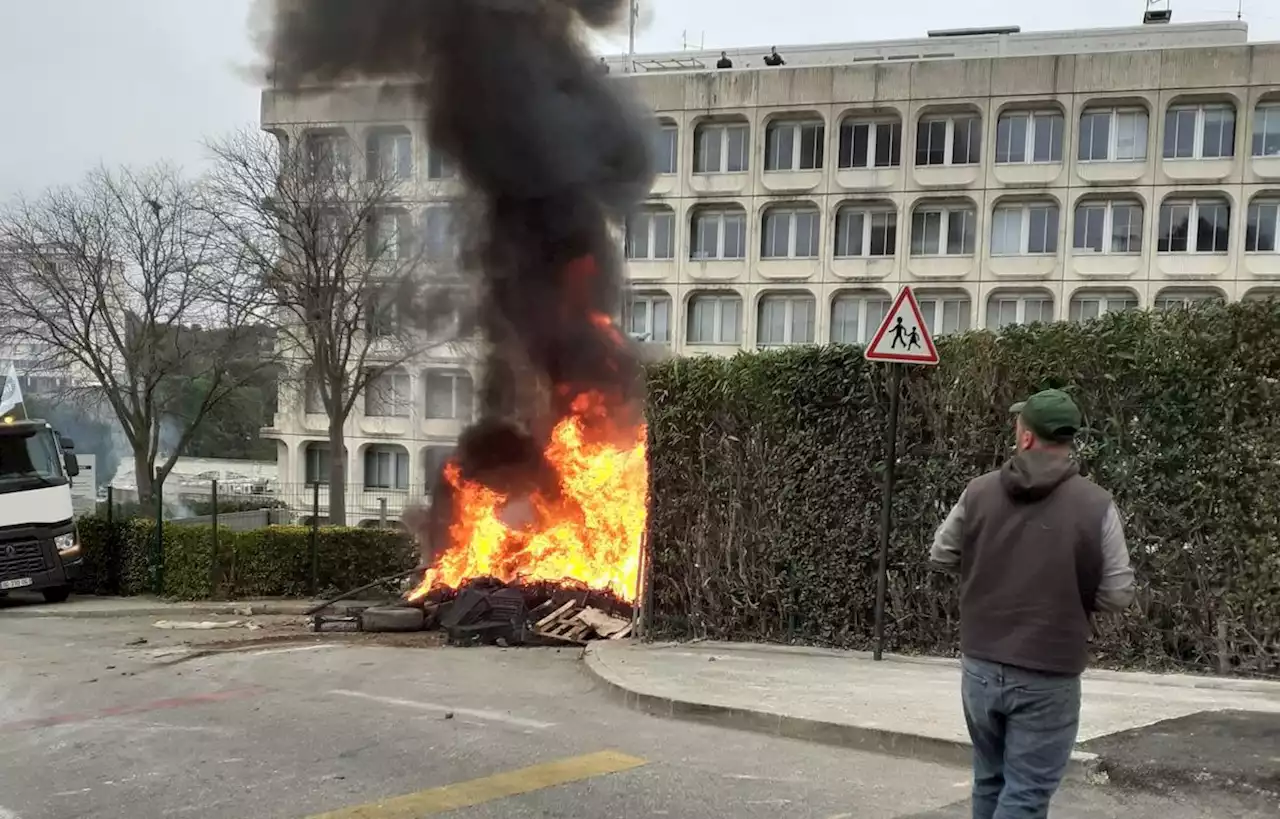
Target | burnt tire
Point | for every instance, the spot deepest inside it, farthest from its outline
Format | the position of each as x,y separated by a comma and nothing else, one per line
58,594
392,618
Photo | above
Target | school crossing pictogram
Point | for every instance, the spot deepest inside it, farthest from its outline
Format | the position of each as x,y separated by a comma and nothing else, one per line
903,336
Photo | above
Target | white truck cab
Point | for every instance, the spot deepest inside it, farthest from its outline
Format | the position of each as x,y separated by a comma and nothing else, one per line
39,544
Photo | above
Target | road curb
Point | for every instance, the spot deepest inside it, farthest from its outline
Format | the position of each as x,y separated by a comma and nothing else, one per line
1084,767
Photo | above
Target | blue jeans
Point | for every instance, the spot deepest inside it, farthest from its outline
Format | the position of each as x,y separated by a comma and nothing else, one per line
1023,725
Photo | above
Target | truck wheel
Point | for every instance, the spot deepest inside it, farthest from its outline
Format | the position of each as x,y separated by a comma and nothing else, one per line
58,594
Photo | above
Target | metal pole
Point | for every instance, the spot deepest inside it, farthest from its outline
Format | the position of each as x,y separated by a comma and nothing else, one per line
315,538
382,513
158,570
637,610
886,509
633,12
112,556
213,565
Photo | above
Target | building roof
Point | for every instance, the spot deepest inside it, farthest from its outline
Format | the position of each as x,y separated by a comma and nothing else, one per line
1001,41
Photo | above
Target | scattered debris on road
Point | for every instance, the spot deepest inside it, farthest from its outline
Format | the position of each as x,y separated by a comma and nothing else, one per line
204,625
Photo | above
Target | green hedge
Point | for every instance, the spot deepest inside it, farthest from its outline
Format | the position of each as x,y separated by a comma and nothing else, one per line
766,470
271,562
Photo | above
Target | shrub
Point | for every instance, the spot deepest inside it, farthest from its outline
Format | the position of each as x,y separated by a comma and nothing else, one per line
766,482
271,562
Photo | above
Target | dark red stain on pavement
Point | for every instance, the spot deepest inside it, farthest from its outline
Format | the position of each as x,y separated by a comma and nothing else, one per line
137,708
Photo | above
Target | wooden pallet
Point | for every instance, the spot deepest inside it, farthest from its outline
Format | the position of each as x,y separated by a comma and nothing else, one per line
573,622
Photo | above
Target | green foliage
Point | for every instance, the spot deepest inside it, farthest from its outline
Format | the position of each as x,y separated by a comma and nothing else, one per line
226,506
766,482
275,561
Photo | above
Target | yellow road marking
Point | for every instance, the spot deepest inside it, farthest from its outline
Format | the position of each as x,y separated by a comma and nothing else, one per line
490,788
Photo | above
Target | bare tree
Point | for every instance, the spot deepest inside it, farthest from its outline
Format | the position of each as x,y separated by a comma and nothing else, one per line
123,280
358,275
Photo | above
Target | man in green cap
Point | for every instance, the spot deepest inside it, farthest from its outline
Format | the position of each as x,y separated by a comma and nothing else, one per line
1040,550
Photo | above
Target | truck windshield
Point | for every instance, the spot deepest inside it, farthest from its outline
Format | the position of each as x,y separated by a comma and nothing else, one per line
28,460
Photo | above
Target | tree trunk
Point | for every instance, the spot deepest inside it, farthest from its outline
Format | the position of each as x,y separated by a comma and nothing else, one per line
144,479
337,472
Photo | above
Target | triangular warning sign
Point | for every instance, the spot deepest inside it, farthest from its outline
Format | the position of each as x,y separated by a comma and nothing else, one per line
903,337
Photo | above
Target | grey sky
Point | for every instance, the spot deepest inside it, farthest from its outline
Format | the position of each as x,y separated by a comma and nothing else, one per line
133,81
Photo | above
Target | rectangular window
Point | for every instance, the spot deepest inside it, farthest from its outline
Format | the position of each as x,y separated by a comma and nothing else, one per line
1266,131
961,227
950,141
1089,306
439,166
391,156
1020,231
1113,135
931,142
313,403
870,144
715,320
1006,232
318,464
926,232
1025,137
790,234
329,155
1042,234
648,318
719,235
785,320
439,241
386,468
651,235
1200,132
865,233
1263,225
382,314
389,236
855,319
386,395
667,149
1194,226
1108,227
794,146
721,149
945,314
943,231
1004,310
449,395
1176,298
966,146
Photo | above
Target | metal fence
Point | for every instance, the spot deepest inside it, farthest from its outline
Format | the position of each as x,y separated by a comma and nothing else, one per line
239,507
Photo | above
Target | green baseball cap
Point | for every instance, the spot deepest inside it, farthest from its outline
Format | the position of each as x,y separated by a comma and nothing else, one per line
1050,414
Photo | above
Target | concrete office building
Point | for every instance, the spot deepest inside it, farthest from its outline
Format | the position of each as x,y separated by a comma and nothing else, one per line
1008,177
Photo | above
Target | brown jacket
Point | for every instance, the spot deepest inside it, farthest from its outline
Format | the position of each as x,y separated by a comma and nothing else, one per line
1039,549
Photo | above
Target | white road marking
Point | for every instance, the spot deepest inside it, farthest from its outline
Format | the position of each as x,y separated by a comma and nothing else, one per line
489,716
5,813
290,649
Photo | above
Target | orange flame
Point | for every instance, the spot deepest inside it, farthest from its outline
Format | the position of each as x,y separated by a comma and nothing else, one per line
591,533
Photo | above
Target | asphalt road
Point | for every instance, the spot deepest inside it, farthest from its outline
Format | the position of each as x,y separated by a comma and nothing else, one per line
96,725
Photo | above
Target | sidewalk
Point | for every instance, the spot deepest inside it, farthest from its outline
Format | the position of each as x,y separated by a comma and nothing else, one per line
902,706
98,607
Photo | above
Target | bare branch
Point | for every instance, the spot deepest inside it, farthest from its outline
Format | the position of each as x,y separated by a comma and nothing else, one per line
124,279
359,278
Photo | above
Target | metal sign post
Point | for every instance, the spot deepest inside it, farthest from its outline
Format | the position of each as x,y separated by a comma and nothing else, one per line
903,338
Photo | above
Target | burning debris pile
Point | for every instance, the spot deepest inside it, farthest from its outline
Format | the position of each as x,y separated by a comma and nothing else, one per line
548,489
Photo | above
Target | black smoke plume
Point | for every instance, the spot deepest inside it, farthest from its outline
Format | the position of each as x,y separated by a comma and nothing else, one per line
555,152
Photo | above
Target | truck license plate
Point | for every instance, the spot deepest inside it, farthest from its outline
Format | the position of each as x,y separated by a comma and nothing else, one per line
21,582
